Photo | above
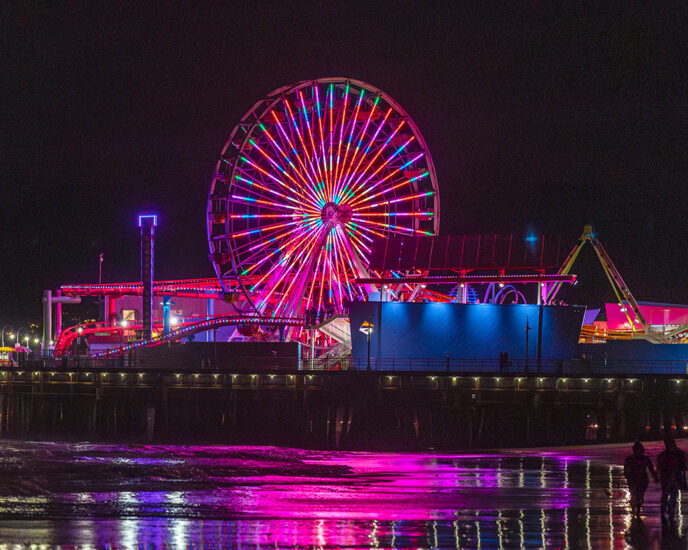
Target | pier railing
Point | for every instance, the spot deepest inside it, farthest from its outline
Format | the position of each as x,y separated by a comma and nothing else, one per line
517,366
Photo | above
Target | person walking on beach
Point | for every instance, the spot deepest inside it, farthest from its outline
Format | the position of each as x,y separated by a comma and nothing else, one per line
636,466
671,464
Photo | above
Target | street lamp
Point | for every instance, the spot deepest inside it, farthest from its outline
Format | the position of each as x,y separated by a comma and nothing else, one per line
124,324
9,333
19,336
78,344
367,328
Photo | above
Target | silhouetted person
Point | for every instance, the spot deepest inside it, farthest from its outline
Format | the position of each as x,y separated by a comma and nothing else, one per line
671,464
502,360
448,360
637,535
636,466
672,539
506,361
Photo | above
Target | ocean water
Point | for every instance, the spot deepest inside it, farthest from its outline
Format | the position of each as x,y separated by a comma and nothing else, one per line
163,496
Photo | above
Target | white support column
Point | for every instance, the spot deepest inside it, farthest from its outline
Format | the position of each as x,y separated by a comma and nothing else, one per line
209,310
47,319
58,316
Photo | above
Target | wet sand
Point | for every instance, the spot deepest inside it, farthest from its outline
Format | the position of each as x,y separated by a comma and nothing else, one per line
122,496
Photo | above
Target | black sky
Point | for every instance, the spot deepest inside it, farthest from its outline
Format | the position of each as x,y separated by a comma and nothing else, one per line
542,119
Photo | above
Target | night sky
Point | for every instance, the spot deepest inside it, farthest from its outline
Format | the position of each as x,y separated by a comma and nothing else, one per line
537,121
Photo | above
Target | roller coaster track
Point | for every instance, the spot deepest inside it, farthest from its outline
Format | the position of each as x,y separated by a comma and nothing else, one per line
186,329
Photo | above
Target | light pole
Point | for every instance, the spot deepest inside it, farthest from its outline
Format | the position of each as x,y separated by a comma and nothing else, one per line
9,333
367,328
19,336
124,324
101,299
527,331
78,343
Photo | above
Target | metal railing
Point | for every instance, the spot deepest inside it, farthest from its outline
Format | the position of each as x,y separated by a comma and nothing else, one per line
202,363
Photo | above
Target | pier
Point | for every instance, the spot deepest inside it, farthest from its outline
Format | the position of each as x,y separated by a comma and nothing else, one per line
344,409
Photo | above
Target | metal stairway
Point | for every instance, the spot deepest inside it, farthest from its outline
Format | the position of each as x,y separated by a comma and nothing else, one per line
339,329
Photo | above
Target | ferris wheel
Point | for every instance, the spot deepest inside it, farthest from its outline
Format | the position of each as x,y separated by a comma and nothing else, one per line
309,177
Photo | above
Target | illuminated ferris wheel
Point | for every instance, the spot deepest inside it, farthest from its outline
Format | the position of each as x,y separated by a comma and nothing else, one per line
309,177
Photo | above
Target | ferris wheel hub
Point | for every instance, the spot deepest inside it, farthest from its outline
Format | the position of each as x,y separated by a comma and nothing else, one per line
336,215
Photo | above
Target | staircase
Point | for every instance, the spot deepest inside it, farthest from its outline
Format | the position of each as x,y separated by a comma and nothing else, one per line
339,329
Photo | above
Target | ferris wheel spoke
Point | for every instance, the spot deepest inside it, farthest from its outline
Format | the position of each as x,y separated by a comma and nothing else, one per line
335,274
354,253
281,184
249,187
298,245
401,199
267,238
315,157
340,258
290,262
399,229
360,137
279,167
259,261
321,147
264,204
253,238
341,133
383,189
302,173
290,114
356,185
357,240
386,162
311,273
322,280
352,127
289,150
363,227
391,214
371,142
264,229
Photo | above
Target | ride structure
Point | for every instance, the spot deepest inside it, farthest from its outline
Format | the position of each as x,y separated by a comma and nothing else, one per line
325,194
308,178
638,325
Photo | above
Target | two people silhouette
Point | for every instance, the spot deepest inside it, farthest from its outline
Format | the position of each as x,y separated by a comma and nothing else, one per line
671,467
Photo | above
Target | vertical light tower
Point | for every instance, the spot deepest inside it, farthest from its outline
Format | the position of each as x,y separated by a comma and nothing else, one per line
147,223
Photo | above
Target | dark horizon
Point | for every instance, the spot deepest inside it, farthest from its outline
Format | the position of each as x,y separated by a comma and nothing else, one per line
538,120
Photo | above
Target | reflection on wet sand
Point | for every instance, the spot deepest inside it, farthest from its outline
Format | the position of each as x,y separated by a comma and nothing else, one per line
125,497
